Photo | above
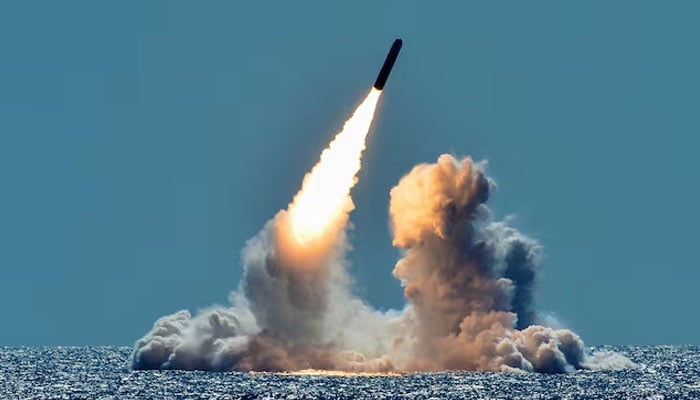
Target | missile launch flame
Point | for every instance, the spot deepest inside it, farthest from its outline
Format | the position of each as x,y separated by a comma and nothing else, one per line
323,202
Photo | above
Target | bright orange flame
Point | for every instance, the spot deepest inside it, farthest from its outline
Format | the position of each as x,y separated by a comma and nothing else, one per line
324,196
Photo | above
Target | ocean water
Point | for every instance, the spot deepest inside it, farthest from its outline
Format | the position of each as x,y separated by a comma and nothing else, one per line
665,372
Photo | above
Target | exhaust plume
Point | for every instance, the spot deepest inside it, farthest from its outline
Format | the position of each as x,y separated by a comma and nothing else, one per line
468,282
324,202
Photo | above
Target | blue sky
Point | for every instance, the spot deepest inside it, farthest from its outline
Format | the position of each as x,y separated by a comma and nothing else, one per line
142,143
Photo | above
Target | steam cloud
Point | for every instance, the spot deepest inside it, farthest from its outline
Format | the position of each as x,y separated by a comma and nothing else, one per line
468,282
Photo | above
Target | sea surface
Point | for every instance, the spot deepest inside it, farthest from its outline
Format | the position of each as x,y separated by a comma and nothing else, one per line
665,372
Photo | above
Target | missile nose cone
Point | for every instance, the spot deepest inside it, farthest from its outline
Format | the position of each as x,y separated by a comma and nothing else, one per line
388,64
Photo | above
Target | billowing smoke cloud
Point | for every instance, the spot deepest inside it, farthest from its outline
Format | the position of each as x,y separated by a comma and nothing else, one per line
289,313
468,282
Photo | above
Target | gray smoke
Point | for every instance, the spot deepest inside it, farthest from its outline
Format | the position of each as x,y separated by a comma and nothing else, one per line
289,313
469,283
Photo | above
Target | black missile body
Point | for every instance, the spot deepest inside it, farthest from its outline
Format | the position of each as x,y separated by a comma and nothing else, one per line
388,64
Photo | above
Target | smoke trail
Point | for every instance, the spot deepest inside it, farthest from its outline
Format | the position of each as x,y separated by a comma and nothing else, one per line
295,269
293,309
468,281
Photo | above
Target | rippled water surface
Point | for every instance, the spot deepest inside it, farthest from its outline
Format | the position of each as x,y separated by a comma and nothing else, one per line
666,372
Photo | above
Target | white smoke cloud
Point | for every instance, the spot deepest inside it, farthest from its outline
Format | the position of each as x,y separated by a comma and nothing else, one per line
468,282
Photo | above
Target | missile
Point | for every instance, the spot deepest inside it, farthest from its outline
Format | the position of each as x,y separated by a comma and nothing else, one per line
388,64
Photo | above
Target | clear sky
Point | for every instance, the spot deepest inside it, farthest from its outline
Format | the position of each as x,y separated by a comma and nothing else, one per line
142,143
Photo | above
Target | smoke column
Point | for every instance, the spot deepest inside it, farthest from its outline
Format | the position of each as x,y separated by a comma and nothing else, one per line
293,309
468,282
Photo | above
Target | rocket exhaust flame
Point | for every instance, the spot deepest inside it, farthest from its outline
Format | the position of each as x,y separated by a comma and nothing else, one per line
323,201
